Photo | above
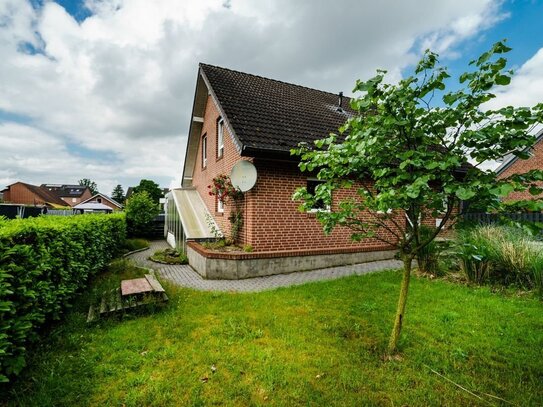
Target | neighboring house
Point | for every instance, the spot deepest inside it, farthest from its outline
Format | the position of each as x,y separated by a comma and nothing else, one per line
92,207
513,165
27,194
238,116
70,194
104,200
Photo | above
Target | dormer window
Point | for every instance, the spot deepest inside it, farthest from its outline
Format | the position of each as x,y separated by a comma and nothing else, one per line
204,151
220,138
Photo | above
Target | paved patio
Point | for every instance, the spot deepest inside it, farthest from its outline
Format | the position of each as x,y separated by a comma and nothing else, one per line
185,276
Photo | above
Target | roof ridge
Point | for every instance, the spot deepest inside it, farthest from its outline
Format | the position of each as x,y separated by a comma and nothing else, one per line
202,64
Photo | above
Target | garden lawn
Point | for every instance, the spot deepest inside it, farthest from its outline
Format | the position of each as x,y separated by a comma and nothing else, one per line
317,344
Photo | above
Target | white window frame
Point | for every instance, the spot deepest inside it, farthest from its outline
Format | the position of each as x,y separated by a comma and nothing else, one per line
220,205
220,138
315,210
204,151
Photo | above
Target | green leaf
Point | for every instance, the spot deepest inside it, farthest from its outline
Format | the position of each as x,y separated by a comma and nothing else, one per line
503,80
464,194
535,190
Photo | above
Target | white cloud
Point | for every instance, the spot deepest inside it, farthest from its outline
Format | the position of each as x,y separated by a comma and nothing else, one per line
122,81
526,87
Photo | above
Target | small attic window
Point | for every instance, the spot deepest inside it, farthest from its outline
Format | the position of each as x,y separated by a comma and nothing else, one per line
220,138
204,151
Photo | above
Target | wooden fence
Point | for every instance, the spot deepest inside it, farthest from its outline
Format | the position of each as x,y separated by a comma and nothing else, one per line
491,218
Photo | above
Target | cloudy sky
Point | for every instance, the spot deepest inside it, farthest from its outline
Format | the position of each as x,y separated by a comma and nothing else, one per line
103,89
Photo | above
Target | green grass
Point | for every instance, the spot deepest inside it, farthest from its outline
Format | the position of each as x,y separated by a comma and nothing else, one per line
318,344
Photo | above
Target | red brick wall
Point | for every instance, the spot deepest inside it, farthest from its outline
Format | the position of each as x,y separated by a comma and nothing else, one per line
71,201
521,166
20,194
276,222
202,177
272,220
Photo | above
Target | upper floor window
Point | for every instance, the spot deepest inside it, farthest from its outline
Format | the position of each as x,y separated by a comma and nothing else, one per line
204,151
220,138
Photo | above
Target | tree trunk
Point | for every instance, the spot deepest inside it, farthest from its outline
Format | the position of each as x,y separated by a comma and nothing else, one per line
400,312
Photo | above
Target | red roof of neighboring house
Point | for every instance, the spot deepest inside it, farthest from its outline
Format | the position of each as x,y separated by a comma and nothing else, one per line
43,193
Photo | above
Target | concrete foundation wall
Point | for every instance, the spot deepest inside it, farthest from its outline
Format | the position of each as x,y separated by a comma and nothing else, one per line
235,269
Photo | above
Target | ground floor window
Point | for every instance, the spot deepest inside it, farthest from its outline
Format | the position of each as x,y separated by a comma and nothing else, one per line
320,204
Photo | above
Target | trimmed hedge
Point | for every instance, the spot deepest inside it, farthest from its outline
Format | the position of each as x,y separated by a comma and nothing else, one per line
44,261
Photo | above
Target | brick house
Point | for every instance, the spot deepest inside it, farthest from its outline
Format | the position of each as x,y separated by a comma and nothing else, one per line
71,194
100,198
513,165
238,116
27,194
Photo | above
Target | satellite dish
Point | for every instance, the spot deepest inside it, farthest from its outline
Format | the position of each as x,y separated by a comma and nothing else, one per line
243,175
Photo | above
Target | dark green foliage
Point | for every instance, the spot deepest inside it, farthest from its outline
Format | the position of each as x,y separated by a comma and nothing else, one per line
118,194
43,262
91,184
428,256
152,189
140,211
135,244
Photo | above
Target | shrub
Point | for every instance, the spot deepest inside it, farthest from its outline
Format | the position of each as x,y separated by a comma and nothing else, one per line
140,212
44,261
135,244
500,254
428,257
475,252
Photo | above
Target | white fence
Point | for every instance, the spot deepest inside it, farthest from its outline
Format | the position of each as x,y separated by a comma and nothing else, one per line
60,212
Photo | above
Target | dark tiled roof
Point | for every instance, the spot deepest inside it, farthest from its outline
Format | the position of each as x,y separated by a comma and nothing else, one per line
66,191
267,114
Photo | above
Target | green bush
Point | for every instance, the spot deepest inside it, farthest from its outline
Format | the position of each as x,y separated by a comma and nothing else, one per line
428,257
135,244
140,211
44,261
501,255
475,251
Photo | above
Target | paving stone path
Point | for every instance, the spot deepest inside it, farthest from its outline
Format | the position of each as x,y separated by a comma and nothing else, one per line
185,276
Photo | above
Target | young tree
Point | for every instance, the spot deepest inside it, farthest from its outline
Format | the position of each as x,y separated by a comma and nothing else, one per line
409,161
91,184
152,189
140,211
118,193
